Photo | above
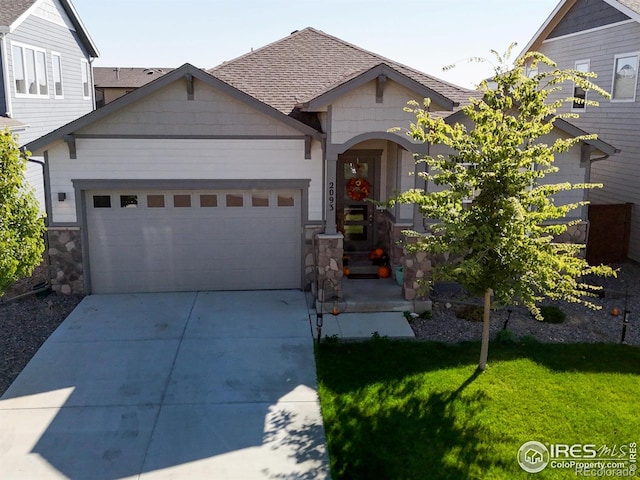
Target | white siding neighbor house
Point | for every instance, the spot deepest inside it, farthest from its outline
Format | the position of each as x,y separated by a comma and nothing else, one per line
603,36
45,70
253,175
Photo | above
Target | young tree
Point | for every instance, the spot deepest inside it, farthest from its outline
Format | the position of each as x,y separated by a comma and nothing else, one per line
21,224
504,240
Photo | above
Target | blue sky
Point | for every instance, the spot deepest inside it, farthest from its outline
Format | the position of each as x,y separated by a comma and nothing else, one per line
424,34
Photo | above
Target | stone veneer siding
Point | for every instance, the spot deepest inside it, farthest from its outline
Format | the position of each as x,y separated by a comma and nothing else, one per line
578,234
418,266
65,260
329,252
310,254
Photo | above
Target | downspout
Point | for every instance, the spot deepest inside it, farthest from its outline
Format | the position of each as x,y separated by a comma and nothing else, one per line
5,70
92,85
46,208
44,186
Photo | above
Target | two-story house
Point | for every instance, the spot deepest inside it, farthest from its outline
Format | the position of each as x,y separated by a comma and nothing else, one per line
603,36
46,77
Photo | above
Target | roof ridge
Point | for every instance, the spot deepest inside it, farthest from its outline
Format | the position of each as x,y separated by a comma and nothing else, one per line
388,61
293,34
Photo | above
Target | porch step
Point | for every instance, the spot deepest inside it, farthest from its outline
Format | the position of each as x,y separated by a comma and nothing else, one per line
363,269
381,295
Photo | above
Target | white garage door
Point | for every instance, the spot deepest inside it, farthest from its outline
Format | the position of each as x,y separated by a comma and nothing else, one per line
153,241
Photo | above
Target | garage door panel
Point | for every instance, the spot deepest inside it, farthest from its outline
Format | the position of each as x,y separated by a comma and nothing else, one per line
148,249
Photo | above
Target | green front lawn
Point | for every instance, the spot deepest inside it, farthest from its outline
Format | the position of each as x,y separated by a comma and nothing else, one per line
413,410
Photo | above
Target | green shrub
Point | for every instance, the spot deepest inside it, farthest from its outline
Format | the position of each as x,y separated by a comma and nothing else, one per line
506,336
552,314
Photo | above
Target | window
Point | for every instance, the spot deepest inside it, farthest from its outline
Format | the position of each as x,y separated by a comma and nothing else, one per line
30,71
285,201
625,77
208,200
128,201
56,62
468,200
579,93
86,76
182,201
155,201
260,200
235,200
101,201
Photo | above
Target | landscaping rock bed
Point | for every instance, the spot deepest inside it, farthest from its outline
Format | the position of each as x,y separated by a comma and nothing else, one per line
581,324
27,322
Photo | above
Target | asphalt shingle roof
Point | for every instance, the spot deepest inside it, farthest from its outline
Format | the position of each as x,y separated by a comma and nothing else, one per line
10,10
632,4
126,77
305,64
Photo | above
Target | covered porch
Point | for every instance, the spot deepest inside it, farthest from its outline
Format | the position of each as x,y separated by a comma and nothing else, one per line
361,261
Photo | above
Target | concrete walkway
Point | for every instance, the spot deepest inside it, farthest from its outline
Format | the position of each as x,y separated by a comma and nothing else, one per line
217,385
363,325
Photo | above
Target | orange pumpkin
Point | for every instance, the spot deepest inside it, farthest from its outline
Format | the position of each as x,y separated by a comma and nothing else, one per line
378,252
615,312
345,271
384,271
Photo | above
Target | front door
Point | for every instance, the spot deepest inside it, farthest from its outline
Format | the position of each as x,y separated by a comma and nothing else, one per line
357,184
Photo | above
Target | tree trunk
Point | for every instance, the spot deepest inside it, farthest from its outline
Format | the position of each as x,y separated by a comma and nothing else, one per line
484,348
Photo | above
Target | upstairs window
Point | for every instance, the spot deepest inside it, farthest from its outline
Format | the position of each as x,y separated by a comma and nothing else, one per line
86,76
468,200
56,62
625,77
579,93
30,71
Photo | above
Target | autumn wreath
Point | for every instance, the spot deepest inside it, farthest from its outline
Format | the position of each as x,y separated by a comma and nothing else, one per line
358,189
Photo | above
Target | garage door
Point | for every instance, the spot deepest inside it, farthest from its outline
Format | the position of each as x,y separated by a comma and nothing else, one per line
153,241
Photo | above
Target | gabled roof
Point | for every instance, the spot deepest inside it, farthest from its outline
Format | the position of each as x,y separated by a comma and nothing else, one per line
360,78
307,64
14,12
126,77
630,8
185,71
562,125
10,10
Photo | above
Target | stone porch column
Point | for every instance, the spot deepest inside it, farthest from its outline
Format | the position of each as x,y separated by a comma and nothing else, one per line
417,268
329,251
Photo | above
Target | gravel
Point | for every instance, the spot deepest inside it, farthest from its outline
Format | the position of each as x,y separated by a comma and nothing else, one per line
27,322
581,323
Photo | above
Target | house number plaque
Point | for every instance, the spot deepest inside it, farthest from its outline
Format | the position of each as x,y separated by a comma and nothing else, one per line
332,196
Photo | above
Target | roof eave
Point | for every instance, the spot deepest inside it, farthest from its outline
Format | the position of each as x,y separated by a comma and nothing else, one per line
600,145
70,10
559,12
550,23
82,31
161,82
366,76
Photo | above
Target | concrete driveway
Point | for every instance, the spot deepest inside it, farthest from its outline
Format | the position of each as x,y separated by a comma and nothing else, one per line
215,385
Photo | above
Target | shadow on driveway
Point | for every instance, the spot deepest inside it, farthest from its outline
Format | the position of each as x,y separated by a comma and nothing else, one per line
176,385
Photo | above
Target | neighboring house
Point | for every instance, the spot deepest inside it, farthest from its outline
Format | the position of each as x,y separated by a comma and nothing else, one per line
253,175
603,36
114,82
45,70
